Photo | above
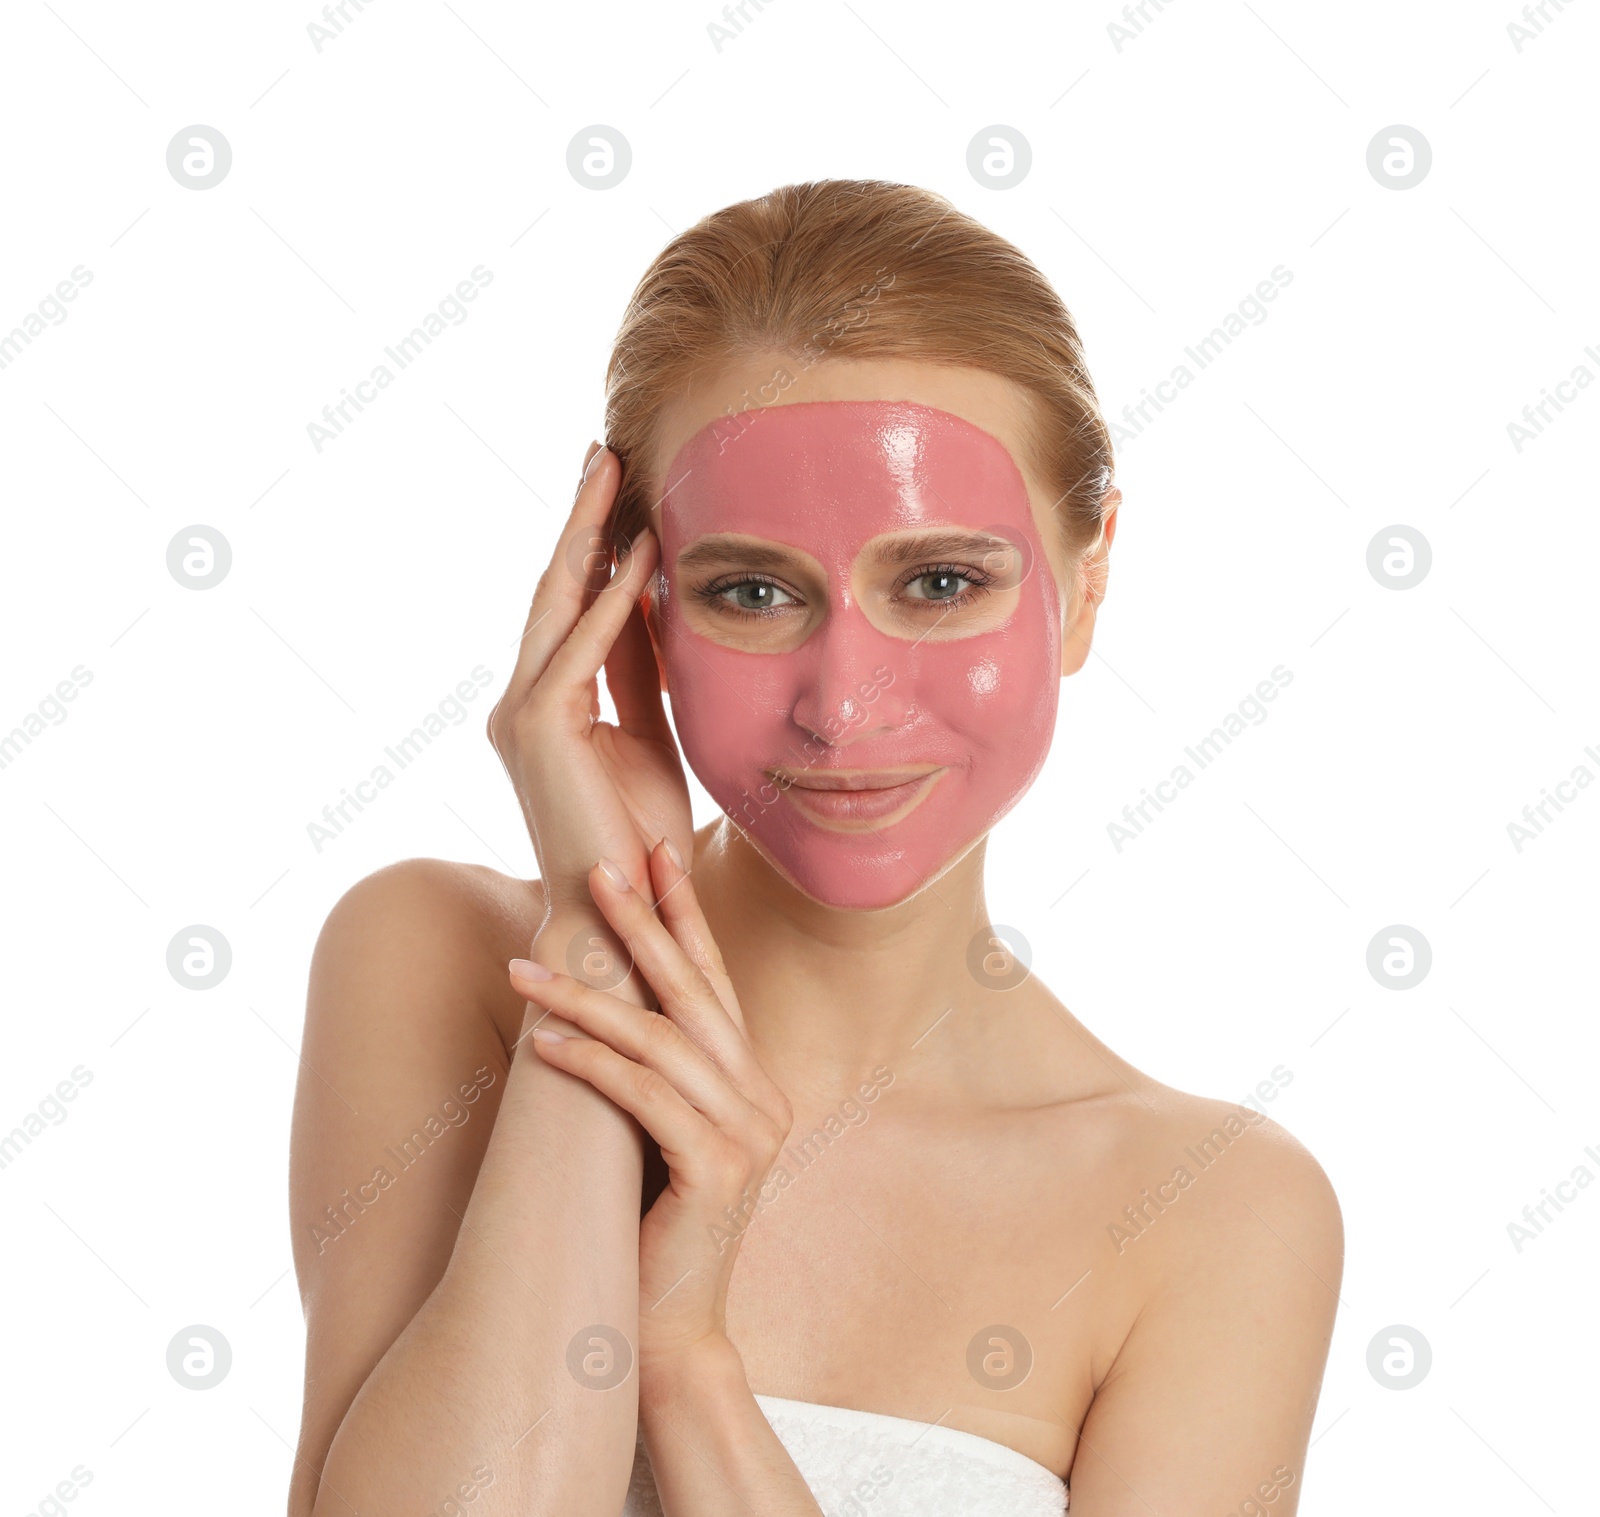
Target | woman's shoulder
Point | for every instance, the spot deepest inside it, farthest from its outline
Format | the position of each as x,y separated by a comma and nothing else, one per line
1225,1242
431,885
1133,1130
1193,1136
431,926
1210,1178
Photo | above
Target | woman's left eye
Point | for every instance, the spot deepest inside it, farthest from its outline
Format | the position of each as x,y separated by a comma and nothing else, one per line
941,585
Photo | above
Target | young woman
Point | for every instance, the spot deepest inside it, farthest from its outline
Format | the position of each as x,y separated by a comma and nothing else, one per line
767,1180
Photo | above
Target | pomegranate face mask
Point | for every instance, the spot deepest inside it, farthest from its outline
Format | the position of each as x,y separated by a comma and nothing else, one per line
862,637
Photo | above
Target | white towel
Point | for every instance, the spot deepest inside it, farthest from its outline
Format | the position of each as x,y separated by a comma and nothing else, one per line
866,1464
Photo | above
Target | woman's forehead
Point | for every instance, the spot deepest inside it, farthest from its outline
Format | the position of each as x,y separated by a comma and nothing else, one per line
820,471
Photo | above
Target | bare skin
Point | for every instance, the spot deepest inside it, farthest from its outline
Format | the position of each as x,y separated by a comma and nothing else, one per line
1175,1367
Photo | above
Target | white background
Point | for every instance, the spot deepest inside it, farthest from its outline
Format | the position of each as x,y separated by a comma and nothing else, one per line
1168,178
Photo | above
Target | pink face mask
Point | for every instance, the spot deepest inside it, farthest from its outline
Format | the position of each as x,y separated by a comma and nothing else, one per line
863,658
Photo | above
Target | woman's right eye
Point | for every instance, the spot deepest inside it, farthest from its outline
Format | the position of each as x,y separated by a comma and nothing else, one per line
752,596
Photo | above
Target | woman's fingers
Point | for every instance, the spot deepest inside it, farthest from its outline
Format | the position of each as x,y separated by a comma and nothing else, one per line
579,658
588,457
574,574
679,909
634,680
685,991
661,1111
645,1037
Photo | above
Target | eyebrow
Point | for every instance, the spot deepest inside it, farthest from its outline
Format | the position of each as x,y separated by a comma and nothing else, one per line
719,549
934,545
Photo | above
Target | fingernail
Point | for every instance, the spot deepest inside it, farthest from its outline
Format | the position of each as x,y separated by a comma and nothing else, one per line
544,1035
672,853
588,468
526,969
614,873
628,549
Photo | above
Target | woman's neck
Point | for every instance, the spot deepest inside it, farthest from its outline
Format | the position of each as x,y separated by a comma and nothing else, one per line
827,992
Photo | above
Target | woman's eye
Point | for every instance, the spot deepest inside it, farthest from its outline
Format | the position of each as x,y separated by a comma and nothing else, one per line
754,595
937,585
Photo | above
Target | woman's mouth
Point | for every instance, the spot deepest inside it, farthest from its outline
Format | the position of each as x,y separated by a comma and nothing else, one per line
857,800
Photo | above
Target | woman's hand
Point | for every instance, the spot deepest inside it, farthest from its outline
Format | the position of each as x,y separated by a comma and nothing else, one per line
589,789
690,1078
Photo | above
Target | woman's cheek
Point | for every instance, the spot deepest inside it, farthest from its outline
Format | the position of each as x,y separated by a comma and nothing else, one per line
1000,690
729,713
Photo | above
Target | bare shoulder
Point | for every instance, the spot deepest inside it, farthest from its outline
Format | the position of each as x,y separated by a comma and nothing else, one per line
432,925
1277,1176
1160,1152
409,1020
1224,1180
1231,1239
1167,1172
452,893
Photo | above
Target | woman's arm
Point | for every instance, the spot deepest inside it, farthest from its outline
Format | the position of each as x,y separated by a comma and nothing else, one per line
471,1321
1209,1403
689,1076
712,1449
456,1223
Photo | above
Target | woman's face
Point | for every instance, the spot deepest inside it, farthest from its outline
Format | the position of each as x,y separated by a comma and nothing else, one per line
861,629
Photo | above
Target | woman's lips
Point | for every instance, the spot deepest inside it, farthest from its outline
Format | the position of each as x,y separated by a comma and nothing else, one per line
857,800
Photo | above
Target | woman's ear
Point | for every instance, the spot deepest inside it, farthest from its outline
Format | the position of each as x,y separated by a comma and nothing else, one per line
1093,571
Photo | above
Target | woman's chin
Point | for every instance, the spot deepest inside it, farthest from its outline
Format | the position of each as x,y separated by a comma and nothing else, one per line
853,878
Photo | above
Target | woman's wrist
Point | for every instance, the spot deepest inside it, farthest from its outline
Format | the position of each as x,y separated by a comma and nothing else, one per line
711,1446
702,1379
582,944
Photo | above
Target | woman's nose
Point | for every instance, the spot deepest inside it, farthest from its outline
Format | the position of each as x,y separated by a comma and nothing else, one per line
854,681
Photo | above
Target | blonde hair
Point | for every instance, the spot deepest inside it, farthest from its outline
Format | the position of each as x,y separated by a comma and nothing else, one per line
856,268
